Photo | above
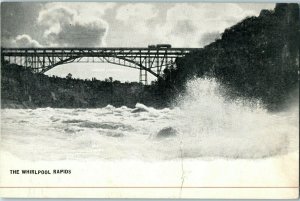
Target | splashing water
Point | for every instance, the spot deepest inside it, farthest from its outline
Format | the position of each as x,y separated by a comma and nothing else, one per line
206,125
214,126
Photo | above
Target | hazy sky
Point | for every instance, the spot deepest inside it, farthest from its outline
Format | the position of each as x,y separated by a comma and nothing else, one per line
117,25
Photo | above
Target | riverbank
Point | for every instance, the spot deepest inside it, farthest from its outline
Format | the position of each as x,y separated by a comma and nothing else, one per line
20,88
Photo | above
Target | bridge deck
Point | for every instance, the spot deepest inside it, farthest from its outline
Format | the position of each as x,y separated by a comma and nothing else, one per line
95,52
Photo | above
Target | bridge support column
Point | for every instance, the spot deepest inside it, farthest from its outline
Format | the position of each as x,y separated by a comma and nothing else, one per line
143,71
143,76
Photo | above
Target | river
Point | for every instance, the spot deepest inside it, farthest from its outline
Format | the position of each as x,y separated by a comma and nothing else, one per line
206,125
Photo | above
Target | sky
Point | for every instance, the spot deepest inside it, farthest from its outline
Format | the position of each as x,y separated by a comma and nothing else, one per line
95,24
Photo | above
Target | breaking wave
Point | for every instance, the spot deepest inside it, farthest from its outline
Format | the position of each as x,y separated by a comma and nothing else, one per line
213,126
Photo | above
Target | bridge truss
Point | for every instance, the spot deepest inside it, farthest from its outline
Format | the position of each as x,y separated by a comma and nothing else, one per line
146,60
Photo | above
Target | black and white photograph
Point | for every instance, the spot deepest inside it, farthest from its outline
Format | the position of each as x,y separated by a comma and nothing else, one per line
149,100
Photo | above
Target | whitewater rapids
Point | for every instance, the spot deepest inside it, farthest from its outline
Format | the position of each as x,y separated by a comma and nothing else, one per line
207,126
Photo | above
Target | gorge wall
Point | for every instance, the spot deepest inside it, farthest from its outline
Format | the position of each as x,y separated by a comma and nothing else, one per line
258,58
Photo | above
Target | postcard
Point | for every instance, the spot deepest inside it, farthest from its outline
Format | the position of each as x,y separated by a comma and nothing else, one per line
149,100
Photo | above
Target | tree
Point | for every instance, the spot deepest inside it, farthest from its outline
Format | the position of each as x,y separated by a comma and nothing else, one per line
69,76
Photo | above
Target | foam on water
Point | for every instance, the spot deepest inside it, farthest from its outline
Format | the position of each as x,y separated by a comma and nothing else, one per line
214,126
207,125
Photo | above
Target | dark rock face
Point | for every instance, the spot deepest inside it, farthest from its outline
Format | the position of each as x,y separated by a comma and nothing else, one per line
167,132
258,58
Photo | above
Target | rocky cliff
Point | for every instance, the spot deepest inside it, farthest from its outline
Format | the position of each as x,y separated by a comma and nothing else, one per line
258,58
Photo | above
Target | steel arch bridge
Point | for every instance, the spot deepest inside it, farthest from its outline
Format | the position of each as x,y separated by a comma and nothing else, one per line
148,60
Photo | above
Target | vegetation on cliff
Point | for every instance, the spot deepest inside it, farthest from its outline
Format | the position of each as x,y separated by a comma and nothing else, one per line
257,58
21,88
